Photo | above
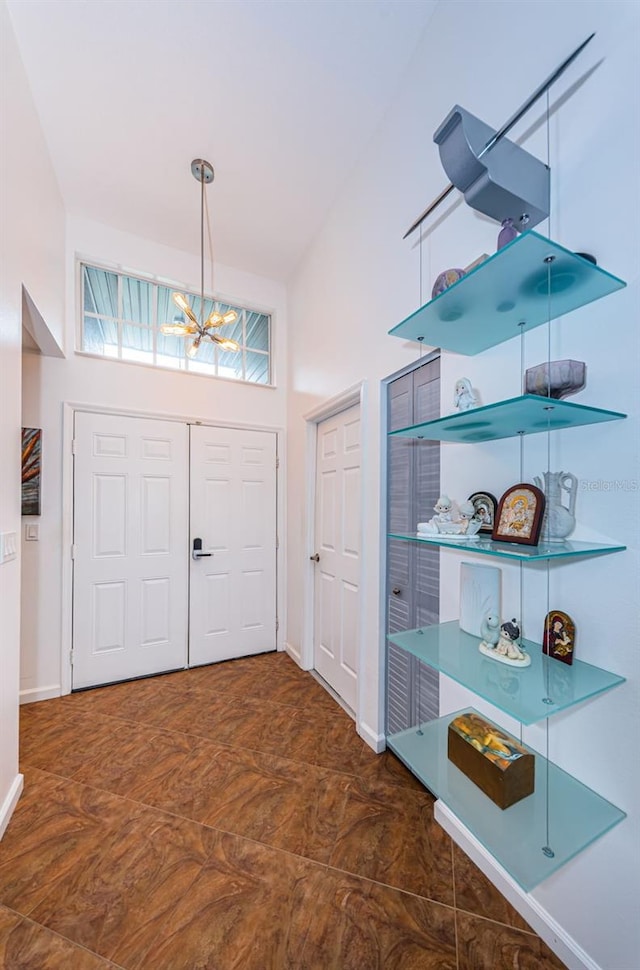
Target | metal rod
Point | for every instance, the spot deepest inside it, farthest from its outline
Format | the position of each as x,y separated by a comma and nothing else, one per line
531,100
201,325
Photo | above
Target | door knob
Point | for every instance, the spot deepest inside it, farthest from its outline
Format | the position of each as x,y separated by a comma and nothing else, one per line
315,558
396,591
197,550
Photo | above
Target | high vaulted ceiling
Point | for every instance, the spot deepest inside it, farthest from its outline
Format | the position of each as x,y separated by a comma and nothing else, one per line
282,96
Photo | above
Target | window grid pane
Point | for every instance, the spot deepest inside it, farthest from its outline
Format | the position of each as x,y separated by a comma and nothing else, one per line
123,315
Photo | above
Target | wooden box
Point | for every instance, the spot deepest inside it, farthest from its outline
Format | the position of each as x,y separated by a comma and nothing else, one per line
492,759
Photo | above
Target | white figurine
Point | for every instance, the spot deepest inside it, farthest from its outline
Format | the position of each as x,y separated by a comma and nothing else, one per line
441,520
502,644
443,509
490,630
468,519
450,520
464,397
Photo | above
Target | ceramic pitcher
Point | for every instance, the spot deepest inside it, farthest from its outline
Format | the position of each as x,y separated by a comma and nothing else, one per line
559,520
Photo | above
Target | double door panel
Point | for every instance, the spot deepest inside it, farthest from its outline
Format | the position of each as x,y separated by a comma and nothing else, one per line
143,490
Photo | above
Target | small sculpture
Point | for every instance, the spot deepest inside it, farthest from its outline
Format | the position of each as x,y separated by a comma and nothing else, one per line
452,520
503,645
464,396
446,279
490,629
469,519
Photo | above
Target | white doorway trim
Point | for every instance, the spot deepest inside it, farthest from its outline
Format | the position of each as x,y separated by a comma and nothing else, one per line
356,394
68,413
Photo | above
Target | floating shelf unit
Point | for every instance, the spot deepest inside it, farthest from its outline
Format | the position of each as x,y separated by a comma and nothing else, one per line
514,550
514,836
527,283
530,695
507,294
527,414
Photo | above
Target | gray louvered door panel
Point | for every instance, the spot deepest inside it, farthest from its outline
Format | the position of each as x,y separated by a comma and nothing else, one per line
399,572
412,570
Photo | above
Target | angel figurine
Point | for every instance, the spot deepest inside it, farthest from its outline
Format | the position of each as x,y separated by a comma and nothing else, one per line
464,396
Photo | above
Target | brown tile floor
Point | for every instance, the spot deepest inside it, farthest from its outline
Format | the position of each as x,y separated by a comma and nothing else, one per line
230,817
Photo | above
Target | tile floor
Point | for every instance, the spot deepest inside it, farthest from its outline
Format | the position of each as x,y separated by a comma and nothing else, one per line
230,818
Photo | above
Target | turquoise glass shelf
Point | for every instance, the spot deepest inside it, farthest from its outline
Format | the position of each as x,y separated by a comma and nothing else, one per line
529,694
517,835
489,304
513,550
528,414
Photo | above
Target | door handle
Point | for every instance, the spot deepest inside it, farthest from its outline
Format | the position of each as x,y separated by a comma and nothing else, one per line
315,558
396,591
197,550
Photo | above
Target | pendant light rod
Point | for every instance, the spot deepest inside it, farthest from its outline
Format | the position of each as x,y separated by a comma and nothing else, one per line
508,125
203,172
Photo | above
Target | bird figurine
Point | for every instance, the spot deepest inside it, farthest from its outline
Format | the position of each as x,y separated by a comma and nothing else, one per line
490,629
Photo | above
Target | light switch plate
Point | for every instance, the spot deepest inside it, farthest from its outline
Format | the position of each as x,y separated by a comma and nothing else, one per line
32,531
8,546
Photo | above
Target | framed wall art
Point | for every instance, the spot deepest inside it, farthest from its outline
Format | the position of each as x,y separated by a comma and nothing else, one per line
519,515
486,506
31,470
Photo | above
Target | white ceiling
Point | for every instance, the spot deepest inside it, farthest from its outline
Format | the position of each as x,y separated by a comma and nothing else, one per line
282,96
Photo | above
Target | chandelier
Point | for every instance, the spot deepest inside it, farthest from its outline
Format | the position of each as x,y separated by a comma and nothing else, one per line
201,329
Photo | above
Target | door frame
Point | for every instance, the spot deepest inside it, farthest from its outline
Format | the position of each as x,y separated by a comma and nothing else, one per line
69,409
356,394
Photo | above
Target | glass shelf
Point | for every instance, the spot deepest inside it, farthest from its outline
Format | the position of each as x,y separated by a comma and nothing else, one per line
513,550
528,414
487,306
517,835
529,694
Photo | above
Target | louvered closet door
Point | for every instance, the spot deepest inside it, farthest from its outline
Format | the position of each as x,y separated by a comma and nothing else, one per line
412,569
130,532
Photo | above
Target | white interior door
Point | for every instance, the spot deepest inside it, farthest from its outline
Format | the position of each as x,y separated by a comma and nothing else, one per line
338,540
233,514
130,541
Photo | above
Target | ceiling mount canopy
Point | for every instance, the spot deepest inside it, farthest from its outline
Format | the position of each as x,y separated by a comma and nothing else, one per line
203,172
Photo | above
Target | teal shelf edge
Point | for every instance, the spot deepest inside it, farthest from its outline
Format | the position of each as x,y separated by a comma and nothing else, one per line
513,550
508,294
530,695
515,836
527,414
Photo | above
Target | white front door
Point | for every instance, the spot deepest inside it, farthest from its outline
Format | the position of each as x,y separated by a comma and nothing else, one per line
130,547
233,515
338,541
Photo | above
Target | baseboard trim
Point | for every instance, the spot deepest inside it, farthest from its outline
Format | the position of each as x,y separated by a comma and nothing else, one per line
556,938
370,737
33,694
294,653
10,802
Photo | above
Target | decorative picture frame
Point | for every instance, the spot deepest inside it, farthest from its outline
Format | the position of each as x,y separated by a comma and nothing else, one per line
31,470
559,637
486,506
519,515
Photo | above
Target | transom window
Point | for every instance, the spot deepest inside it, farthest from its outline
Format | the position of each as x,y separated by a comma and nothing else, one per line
122,316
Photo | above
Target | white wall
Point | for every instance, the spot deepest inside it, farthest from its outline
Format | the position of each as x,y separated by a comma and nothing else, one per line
360,278
49,382
31,253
